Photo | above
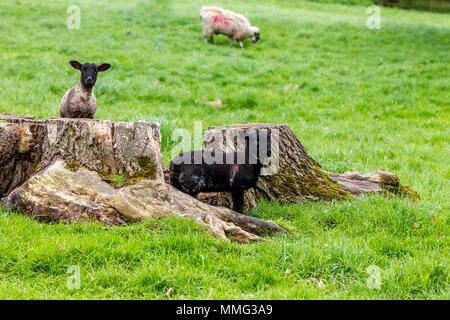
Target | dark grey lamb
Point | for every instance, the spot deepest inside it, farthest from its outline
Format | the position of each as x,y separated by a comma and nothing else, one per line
219,171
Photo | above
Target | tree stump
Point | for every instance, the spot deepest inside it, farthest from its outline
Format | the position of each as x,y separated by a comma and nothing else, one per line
109,148
66,170
293,175
72,170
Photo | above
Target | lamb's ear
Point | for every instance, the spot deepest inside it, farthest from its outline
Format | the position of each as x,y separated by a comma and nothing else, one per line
75,64
104,67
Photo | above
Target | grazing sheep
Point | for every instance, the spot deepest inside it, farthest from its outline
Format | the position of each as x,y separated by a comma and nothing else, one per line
79,102
216,20
220,171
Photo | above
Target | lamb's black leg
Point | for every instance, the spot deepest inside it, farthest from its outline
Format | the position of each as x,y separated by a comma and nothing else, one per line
238,200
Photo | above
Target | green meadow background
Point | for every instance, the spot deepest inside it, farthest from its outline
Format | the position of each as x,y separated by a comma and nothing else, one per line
365,99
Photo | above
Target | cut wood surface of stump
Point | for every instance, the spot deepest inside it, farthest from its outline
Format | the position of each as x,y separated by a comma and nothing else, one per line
9,116
109,148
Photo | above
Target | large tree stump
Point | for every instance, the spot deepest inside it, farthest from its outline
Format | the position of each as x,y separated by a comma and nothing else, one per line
292,176
295,176
109,148
64,170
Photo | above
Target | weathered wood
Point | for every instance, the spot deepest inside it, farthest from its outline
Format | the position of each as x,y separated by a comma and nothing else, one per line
9,116
379,181
62,195
58,169
218,199
357,183
109,148
20,153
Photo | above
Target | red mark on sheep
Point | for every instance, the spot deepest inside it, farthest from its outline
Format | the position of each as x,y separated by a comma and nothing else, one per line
217,19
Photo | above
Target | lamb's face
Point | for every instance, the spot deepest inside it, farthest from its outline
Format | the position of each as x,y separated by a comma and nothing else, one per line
89,72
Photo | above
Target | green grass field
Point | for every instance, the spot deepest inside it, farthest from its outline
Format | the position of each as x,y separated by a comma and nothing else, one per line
366,99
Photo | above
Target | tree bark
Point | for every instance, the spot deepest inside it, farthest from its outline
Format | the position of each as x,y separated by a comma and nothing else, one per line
20,153
109,148
71,170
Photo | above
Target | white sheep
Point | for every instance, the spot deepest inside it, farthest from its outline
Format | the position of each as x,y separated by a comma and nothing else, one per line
216,20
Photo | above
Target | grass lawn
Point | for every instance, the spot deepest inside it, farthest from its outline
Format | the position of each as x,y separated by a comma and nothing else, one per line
366,99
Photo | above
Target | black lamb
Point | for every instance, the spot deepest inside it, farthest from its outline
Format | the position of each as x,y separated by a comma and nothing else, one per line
219,171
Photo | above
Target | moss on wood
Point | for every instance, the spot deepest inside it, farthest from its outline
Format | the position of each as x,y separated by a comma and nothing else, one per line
72,166
147,171
404,191
106,173
148,168
314,185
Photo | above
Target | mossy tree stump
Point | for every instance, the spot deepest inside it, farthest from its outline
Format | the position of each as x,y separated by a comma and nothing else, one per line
294,175
291,176
64,170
